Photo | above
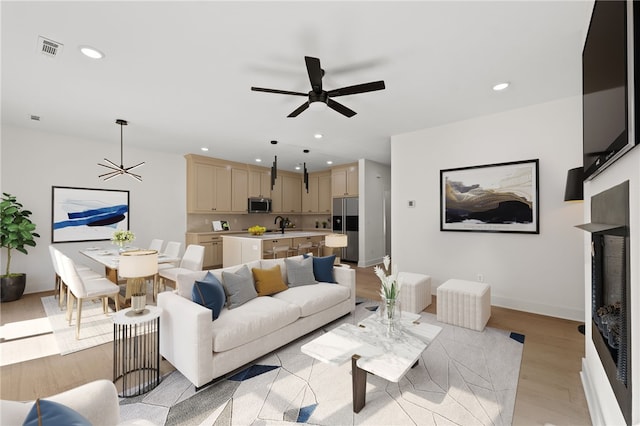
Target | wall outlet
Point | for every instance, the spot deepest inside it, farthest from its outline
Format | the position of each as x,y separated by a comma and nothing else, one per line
480,278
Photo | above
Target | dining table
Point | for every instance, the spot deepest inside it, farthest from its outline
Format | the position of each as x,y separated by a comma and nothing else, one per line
109,258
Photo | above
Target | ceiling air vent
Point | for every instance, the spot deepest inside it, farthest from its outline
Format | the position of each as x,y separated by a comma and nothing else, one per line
49,47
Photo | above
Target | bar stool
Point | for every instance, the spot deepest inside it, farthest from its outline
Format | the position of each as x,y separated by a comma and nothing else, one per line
276,250
305,247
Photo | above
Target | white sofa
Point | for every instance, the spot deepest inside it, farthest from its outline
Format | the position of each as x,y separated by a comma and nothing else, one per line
97,401
203,350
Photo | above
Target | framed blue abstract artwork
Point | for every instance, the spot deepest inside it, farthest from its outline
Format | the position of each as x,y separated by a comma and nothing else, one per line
85,214
491,198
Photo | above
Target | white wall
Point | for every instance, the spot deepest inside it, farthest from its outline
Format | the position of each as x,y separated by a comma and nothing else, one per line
374,181
536,273
602,403
33,162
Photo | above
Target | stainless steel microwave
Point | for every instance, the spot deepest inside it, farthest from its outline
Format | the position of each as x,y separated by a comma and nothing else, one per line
259,205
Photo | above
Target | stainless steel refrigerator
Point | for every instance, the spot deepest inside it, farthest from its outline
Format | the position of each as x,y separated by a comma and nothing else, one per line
345,221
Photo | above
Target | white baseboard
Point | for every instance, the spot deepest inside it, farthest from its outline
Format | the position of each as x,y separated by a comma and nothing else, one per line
589,393
537,308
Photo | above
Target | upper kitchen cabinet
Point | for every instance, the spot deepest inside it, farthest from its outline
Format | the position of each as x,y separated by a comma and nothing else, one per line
286,196
215,186
318,198
259,182
344,180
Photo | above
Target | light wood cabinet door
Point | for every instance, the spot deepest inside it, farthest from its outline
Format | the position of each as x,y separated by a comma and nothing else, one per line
310,197
209,189
324,193
239,190
291,194
344,181
260,183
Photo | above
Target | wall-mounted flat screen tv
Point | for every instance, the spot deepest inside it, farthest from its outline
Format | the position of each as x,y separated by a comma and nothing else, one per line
608,79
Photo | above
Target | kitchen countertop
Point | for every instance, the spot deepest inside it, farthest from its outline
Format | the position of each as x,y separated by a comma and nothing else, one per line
278,235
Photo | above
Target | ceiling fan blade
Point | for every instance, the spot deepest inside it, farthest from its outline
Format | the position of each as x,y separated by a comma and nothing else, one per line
340,108
281,92
358,88
111,175
109,166
299,110
135,176
315,73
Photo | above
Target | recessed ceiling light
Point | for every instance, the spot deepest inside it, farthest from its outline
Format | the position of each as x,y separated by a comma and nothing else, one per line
318,136
501,86
329,162
91,52
258,160
297,167
204,148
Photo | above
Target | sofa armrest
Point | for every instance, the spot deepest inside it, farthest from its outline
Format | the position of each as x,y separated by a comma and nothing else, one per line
186,338
347,277
97,401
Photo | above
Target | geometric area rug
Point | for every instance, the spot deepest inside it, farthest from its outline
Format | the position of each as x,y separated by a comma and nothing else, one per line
464,377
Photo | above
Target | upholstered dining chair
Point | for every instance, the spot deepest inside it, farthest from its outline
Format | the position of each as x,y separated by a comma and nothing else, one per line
156,245
60,286
172,250
79,289
191,261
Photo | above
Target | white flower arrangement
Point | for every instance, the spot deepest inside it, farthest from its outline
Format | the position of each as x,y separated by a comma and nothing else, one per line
121,237
390,288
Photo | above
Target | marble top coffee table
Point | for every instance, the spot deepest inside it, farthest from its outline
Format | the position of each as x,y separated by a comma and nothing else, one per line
372,348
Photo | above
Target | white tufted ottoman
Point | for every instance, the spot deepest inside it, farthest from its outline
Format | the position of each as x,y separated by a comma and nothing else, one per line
464,303
415,293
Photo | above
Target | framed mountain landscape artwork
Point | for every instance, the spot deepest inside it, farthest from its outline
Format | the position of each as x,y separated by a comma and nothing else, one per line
490,198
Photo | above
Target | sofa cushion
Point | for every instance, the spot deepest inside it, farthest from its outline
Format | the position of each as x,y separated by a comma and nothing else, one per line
268,281
209,293
238,286
323,268
46,412
315,297
300,272
255,319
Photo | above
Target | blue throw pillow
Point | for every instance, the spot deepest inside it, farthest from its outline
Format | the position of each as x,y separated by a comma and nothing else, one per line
209,293
323,268
46,412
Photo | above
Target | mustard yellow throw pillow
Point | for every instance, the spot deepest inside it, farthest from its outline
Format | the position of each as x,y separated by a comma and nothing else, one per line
268,281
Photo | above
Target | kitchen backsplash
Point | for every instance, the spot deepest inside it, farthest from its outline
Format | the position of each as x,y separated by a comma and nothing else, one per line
240,222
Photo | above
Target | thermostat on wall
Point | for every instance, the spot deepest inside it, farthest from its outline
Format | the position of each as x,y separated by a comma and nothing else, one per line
411,203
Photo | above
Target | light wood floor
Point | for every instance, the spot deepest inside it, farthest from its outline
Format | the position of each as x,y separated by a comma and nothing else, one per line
549,387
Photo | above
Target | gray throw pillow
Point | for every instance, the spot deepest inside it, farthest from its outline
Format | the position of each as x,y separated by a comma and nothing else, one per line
239,287
300,272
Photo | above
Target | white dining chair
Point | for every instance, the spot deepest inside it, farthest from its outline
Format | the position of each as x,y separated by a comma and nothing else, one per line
156,245
60,286
171,251
80,289
191,261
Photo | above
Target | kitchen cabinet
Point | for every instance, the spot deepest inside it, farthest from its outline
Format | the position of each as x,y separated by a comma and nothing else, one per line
212,244
259,182
344,181
318,199
239,189
286,196
208,187
216,186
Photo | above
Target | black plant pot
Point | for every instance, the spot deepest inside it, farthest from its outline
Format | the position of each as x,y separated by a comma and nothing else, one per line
12,287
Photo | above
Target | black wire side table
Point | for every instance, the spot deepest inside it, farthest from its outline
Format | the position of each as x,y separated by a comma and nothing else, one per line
136,350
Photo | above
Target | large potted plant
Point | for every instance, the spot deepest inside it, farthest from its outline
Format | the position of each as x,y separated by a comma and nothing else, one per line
16,232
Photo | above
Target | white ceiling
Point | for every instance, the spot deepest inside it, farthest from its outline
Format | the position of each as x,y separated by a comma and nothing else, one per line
181,72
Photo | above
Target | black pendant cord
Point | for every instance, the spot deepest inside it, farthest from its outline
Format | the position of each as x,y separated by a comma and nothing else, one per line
121,148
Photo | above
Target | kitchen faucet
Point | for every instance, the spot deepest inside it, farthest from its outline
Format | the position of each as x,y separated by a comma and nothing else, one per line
283,223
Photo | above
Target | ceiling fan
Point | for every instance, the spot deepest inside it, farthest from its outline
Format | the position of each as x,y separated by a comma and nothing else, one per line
318,96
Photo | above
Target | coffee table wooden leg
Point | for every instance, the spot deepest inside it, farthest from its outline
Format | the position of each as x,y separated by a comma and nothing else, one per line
359,381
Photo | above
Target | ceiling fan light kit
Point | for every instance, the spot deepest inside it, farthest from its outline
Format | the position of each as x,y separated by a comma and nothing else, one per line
318,98
119,170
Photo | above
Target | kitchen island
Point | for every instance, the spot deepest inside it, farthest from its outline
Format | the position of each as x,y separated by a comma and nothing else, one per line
243,248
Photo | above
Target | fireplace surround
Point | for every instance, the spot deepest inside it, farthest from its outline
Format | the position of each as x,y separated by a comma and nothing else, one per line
610,289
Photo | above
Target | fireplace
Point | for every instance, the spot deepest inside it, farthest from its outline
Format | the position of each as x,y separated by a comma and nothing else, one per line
610,289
